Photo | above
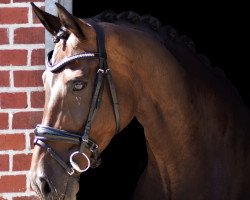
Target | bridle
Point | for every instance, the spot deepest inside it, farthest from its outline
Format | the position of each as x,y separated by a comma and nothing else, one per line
46,133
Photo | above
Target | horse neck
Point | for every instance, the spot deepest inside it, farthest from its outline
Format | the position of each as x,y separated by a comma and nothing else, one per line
163,109
170,97
162,95
182,123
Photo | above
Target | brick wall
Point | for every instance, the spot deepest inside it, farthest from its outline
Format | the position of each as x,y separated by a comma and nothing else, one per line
21,94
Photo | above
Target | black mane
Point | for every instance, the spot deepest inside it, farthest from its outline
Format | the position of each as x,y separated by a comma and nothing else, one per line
163,33
167,35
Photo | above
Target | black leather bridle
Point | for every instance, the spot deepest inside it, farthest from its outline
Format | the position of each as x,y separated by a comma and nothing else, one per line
46,133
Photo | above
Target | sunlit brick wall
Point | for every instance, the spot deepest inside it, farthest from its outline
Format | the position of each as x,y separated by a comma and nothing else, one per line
21,94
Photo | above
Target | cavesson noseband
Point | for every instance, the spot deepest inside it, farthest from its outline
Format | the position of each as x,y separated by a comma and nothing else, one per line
46,133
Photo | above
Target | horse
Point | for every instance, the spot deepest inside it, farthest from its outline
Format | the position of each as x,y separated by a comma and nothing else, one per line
103,73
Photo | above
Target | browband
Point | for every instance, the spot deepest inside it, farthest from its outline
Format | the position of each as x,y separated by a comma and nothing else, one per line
65,61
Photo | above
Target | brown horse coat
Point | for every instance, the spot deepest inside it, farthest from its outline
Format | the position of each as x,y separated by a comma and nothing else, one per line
196,126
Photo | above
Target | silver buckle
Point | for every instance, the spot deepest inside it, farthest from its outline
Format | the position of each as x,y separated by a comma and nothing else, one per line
91,145
70,171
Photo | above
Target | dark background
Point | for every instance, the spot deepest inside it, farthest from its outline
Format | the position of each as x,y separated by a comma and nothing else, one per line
219,31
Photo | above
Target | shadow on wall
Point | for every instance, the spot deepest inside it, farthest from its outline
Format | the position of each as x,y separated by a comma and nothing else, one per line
123,161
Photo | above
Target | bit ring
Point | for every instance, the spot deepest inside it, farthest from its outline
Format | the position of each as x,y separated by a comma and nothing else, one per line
75,165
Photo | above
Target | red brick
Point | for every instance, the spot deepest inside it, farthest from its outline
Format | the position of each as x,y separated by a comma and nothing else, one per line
4,79
1,198
13,100
21,162
4,39
26,198
28,78
13,57
4,1
13,15
13,183
26,120
32,35
35,18
12,141
37,99
38,57
32,137
4,118
4,162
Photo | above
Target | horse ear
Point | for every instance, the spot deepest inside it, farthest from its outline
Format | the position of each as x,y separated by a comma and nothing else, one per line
50,22
74,25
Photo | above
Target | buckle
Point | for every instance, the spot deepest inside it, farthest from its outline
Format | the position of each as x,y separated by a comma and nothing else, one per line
70,171
91,145
100,71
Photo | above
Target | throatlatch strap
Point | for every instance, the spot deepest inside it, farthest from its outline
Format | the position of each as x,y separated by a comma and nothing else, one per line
114,100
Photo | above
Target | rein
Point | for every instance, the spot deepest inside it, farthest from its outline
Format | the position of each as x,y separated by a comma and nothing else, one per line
46,133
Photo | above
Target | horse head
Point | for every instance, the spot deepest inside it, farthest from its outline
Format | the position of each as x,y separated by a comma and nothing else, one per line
81,114
194,121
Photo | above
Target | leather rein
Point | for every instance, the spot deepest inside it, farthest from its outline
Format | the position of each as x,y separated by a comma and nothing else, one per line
46,133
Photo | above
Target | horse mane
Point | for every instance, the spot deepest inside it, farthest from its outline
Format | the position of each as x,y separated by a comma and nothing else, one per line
148,23
169,37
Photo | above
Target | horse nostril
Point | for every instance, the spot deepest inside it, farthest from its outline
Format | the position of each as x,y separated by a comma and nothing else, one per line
47,189
44,187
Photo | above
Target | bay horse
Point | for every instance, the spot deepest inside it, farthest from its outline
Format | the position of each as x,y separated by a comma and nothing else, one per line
102,73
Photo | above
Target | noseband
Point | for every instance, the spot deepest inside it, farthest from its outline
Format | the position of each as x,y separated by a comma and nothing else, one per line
46,133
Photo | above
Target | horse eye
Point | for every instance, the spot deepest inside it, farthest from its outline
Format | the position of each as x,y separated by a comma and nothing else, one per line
79,85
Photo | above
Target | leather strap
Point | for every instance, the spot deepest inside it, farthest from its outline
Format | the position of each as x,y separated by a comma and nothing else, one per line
100,40
54,155
49,133
96,100
114,100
